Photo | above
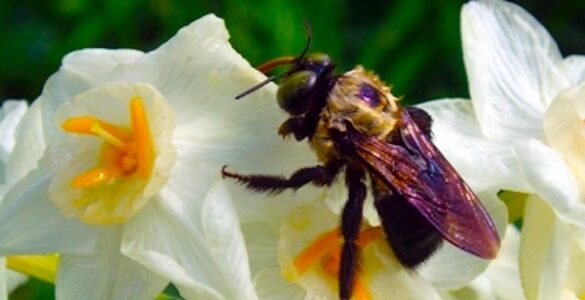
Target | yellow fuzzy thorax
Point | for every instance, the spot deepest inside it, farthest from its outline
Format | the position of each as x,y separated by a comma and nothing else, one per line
345,104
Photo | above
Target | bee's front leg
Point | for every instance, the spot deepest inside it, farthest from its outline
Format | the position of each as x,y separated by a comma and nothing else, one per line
318,175
295,126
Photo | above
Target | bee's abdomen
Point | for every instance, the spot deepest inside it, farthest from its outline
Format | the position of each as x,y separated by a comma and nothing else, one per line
412,238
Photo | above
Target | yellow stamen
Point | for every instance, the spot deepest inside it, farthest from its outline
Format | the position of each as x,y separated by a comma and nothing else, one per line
95,177
142,137
326,248
83,125
43,267
108,137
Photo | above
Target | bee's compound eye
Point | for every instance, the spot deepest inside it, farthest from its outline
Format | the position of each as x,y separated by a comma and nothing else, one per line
294,92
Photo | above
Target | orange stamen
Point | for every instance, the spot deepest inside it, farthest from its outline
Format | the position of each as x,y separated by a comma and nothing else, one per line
125,151
142,137
327,248
316,250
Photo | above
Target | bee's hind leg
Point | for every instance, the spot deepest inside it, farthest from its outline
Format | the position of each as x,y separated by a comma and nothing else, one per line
351,221
318,175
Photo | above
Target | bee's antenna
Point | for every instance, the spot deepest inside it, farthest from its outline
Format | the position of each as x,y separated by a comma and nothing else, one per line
258,86
271,64
309,31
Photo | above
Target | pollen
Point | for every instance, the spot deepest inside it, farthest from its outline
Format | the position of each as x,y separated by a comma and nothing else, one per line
125,152
325,253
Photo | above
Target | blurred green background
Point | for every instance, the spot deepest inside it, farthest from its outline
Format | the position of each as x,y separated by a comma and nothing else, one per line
413,44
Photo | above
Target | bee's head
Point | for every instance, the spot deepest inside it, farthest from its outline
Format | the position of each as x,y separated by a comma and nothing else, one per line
300,82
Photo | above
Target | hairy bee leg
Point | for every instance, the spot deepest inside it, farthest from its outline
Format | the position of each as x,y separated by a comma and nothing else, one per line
351,220
318,175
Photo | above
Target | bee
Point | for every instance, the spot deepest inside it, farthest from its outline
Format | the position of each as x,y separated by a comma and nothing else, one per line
354,124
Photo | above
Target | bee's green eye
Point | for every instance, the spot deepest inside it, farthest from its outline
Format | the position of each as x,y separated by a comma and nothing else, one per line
295,90
317,59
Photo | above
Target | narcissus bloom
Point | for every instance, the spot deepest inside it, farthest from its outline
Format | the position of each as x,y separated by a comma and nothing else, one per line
299,258
523,131
113,165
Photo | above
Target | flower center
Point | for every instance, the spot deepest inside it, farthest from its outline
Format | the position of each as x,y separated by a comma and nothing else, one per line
325,252
125,152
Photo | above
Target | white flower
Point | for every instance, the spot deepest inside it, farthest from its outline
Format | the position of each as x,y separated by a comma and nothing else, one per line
116,167
522,131
299,258
10,116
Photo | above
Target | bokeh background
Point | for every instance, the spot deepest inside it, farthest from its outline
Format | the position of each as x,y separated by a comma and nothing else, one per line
413,44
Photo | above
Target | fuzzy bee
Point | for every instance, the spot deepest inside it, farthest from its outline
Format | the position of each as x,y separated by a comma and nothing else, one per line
354,124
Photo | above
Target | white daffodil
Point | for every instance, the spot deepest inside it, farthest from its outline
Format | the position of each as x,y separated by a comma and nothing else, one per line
522,131
113,165
299,258
10,116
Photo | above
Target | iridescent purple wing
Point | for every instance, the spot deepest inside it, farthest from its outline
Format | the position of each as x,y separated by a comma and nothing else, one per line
422,175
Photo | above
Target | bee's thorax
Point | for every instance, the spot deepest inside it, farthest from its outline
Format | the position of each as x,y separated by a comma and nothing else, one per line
360,98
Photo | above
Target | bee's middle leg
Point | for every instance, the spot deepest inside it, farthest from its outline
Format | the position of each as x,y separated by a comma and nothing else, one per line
351,220
318,175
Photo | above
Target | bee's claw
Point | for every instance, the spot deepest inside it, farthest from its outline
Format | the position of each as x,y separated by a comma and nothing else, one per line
225,173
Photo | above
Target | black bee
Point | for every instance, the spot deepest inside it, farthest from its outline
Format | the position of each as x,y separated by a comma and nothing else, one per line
353,122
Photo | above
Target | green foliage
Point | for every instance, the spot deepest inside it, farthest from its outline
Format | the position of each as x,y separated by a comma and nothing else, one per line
394,38
414,45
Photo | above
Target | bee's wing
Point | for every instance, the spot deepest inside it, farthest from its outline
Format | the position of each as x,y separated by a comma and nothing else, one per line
421,174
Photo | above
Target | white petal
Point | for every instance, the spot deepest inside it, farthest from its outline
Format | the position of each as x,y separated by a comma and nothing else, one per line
511,63
574,68
32,224
501,280
167,237
10,116
207,74
483,163
552,180
564,127
452,268
29,145
3,290
543,251
80,70
203,160
221,227
261,244
271,286
106,273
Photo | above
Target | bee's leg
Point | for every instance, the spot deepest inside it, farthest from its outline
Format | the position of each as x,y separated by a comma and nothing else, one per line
295,126
318,175
350,227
